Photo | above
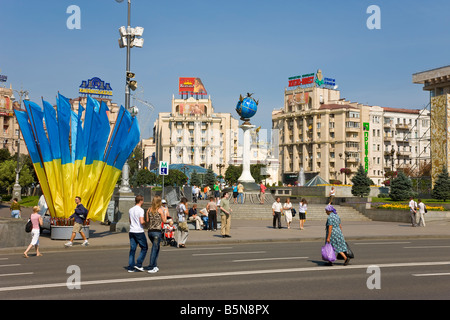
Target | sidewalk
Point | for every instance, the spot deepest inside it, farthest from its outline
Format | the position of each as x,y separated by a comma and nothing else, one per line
257,231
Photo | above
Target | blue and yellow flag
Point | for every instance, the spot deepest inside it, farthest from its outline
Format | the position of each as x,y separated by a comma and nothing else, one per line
73,157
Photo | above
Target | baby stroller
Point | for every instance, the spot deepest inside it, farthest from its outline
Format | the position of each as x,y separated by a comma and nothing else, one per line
168,234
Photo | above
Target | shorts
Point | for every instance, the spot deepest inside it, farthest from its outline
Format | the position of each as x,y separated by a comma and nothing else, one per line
235,194
217,194
35,237
302,215
77,227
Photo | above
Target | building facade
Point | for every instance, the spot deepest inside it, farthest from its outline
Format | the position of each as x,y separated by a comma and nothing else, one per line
328,136
10,131
193,133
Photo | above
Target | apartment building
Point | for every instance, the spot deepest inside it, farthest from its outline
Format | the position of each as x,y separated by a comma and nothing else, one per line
10,131
193,133
330,137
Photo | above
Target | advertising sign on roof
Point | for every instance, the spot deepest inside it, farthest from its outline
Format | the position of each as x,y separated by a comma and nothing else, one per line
192,86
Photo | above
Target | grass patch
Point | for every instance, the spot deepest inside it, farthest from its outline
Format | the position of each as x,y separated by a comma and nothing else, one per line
30,201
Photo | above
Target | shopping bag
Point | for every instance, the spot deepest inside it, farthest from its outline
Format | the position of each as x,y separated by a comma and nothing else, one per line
328,253
349,253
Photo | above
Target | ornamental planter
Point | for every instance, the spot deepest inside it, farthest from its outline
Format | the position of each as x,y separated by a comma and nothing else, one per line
65,232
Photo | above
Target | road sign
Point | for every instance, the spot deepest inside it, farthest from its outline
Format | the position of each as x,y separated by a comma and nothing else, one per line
163,168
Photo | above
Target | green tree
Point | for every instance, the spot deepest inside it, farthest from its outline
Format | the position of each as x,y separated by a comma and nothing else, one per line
144,177
255,171
4,155
401,187
134,160
8,175
195,179
210,178
361,183
441,188
233,173
174,178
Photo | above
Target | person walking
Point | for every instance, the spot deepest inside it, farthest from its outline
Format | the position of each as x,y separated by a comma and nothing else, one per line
216,188
240,189
182,229
332,195
334,234
225,212
412,211
421,208
156,218
235,193
80,216
137,235
287,209
262,192
37,222
211,207
277,208
303,206
15,209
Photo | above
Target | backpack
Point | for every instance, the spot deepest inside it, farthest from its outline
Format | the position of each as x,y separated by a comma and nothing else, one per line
28,226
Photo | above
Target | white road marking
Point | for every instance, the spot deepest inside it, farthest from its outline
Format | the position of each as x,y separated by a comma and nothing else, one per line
427,247
227,253
369,243
431,274
9,265
16,274
221,274
268,259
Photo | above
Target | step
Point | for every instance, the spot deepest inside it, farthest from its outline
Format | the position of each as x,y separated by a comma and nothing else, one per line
315,212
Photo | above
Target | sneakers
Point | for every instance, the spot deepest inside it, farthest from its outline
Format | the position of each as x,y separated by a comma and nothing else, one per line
139,268
154,270
70,244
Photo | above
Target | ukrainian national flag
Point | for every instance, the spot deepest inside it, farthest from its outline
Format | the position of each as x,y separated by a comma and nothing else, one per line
72,158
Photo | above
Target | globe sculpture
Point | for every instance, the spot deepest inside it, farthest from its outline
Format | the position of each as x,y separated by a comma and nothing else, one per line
246,107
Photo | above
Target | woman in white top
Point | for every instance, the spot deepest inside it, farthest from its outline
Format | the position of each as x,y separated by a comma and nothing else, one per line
287,206
303,206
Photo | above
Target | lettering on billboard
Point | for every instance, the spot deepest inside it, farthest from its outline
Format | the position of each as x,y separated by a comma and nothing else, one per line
192,86
95,86
366,128
311,79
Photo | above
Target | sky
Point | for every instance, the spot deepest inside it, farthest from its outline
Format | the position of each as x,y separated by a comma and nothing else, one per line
234,46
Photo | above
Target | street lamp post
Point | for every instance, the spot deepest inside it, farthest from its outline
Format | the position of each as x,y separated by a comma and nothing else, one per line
17,189
124,199
129,37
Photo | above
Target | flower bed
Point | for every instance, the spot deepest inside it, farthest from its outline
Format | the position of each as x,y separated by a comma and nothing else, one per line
399,206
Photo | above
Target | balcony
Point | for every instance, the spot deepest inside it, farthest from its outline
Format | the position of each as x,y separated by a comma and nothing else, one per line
402,126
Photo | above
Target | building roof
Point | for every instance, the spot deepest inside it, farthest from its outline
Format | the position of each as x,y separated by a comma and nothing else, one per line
401,110
315,181
333,106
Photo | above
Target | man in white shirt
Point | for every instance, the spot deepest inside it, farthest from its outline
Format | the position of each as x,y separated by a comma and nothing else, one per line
137,235
277,208
412,210
421,208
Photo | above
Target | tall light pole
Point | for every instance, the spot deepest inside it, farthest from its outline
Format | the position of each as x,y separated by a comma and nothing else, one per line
129,37
17,189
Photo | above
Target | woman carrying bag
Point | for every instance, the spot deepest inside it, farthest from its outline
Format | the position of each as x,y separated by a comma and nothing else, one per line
334,234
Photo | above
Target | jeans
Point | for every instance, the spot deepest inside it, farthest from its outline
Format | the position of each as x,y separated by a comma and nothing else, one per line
135,240
240,196
155,238
15,214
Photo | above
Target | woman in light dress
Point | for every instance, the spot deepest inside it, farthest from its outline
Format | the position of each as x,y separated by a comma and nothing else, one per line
287,206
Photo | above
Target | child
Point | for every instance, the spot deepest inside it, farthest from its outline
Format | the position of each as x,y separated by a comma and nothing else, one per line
169,230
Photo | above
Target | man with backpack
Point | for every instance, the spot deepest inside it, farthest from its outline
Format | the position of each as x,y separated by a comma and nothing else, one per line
80,216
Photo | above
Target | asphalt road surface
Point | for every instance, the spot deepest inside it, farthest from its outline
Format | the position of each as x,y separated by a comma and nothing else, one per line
403,269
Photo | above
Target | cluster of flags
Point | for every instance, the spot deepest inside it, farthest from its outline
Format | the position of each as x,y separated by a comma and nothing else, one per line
73,157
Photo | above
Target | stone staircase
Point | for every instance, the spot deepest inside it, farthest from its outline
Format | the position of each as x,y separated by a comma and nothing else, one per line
315,212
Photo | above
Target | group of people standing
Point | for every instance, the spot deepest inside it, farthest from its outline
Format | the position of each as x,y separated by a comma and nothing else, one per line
289,212
158,215
417,208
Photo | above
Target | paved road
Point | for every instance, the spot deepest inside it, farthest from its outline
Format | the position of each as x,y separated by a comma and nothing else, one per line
408,269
